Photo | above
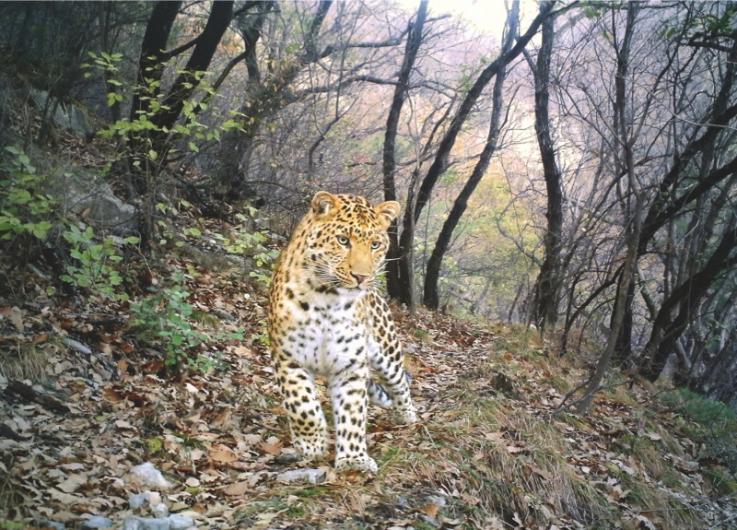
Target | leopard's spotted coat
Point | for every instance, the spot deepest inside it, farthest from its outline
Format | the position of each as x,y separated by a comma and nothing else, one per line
326,319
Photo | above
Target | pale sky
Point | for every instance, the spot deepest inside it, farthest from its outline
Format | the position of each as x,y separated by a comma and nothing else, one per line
484,16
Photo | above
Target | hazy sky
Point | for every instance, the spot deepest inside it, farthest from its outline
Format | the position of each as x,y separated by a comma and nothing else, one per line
485,16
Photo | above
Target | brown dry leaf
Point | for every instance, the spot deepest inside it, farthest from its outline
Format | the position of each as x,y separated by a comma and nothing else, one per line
222,453
272,446
222,418
494,436
15,315
72,483
111,394
65,498
431,510
72,466
237,489
242,350
124,425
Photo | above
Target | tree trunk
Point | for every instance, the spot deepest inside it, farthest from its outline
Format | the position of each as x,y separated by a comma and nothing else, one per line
394,279
633,218
547,291
150,70
440,163
431,298
623,349
687,297
187,81
262,100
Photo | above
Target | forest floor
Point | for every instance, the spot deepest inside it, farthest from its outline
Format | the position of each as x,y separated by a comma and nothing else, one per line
87,402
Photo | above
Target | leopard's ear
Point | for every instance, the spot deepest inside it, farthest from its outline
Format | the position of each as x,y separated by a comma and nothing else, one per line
324,203
388,211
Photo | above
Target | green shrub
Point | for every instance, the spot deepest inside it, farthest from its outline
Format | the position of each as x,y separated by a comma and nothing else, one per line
166,319
251,244
716,424
25,210
94,265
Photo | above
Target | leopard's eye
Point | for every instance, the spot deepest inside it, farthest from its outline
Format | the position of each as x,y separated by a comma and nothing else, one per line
344,241
375,245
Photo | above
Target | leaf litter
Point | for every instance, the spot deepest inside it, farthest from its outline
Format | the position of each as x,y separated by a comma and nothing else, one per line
488,453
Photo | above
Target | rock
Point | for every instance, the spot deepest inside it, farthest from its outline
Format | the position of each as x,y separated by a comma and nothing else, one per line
104,210
85,194
53,524
180,522
288,455
131,523
64,116
77,346
147,475
160,510
146,523
309,475
437,500
97,521
137,500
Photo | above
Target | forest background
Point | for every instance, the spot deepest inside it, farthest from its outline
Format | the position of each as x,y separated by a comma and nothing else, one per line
569,166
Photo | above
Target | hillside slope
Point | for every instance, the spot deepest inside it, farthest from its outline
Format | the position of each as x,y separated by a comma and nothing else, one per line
489,452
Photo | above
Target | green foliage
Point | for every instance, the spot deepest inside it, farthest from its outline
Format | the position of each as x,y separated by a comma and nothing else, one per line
27,216
251,244
144,128
167,320
716,424
25,210
94,266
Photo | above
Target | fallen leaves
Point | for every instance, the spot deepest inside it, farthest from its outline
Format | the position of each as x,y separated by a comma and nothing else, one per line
220,438
223,454
72,483
237,489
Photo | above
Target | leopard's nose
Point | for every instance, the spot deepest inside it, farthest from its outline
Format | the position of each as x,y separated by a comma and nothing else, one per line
360,278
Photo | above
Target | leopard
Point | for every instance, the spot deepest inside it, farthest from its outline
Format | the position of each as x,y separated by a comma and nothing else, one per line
328,321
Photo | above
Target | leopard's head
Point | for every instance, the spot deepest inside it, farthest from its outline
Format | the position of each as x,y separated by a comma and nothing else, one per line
346,239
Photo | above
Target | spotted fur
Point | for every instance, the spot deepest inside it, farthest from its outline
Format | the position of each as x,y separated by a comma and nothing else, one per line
326,319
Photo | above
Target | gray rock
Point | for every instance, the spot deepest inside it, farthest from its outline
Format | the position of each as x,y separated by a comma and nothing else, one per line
309,475
131,523
146,523
137,500
288,456
53,524
104,210
147,475
438,500
64,116
97,521
180,522
160,510
85,193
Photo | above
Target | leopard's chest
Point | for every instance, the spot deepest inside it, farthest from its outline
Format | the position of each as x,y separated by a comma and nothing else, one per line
327,334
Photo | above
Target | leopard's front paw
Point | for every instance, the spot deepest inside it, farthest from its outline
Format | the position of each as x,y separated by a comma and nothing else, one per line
311,449
408,415
362,463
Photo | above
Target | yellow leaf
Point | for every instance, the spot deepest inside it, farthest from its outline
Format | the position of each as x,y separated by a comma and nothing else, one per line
237,489
222,453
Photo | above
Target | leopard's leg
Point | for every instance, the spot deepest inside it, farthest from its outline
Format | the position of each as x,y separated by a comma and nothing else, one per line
378,395
386,360
350,410
306,418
